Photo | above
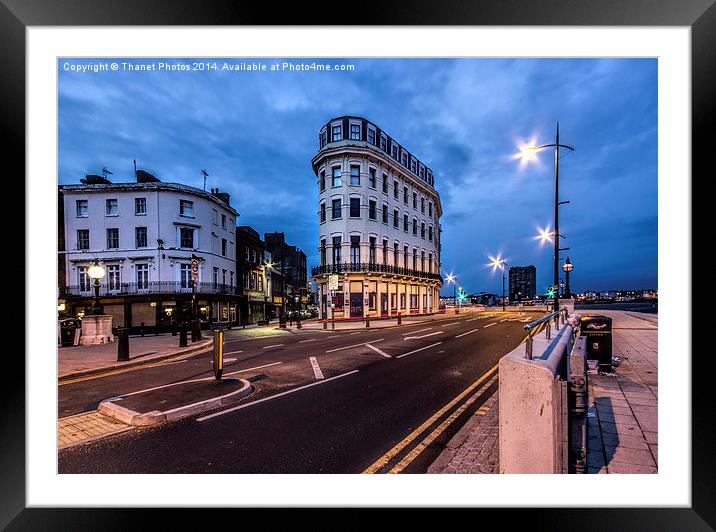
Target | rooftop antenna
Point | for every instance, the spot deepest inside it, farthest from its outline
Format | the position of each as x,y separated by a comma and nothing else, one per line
135,168
203,172
106,172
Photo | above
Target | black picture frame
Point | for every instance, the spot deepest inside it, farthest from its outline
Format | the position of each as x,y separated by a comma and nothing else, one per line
699,15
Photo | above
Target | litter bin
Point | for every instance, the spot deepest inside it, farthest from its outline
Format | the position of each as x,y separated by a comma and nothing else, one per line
67,331
598,332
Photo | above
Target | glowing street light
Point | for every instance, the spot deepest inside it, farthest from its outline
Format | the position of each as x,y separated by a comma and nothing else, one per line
451,278
528,153
96,272
497,262
545,235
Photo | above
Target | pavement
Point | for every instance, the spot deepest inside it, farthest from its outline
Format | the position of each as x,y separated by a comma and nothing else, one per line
623,406
383,400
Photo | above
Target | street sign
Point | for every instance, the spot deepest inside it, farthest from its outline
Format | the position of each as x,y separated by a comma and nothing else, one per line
333,282
194,269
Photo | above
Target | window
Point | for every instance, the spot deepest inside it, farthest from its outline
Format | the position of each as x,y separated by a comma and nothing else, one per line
336,250
405,256
371,178
336,133
422,261
223,277
396,218
404,159
336,180
430,262
140,237
322,212
214,217
323,252
405,195
111,207
336,209
185,275
430,209
395,189
385,183
231,279
371,136
422,230
405,223
385,251
323,180
415,259
355,131
82,208
430,233
355,208
372,210
215,279
355,250
83,239
383,144
422,172
224,248
415,227
412,165
415,200
385,214
394,151
422,205
371,251
113,277
142,276
186,208
83,279
396,254
223,221
186,237
324,138
355,175
140,206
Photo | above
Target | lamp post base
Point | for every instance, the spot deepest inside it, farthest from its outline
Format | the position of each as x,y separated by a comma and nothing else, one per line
96,329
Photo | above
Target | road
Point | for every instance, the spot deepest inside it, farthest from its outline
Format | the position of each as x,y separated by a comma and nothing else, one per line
381,400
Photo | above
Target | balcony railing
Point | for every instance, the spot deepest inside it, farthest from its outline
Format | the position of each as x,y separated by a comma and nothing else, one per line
153,287
368,267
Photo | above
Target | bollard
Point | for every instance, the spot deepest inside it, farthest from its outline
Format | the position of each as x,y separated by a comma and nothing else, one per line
182,335
218,360
141,329
325,325
195,331
122,344
400,319
367,322
298,324
548,331
333,324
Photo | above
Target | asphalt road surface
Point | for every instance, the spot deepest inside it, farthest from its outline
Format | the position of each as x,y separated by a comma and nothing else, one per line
381,400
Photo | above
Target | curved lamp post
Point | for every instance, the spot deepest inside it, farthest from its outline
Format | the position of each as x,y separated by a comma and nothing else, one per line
96,273
567,267
527,154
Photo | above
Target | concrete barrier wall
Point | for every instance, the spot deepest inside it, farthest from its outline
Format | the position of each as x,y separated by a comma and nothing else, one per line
532,405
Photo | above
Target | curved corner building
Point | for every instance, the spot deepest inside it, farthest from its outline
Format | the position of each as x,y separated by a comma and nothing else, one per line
379,225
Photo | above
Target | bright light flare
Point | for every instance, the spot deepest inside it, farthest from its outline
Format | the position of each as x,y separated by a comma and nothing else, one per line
496,262
545,235
450,278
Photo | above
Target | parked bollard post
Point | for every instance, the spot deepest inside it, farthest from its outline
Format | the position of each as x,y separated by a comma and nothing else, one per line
182,335
325,325
333,324
298,323
400,319
548,331
218,361
122,344
195,331
367,322
141,329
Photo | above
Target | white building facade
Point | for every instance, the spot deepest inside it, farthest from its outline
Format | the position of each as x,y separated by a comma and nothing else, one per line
379,225
144,234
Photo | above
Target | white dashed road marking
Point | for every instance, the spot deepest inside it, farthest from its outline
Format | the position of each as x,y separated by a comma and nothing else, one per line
466,333
416,350
310,340
316,368
423,336
491,324
378,351
270,346
354,345
416,332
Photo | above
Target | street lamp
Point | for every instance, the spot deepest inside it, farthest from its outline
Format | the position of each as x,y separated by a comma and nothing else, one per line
500,263
529,153
96,272
567,267
451,279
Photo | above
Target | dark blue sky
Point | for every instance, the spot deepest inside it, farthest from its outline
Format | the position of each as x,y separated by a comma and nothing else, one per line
255,133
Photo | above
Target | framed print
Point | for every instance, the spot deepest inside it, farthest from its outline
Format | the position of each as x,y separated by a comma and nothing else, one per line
409,260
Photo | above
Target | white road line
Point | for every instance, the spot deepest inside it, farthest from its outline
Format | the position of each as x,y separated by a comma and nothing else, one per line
233,353
423,336
275,396
310,340
354,345
378,351
416,350
491,324
251,369
270,346
351,334
316,368
450,324
416,332
466,333
473,319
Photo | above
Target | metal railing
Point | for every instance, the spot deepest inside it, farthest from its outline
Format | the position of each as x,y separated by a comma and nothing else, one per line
370,267
531,327
152,287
